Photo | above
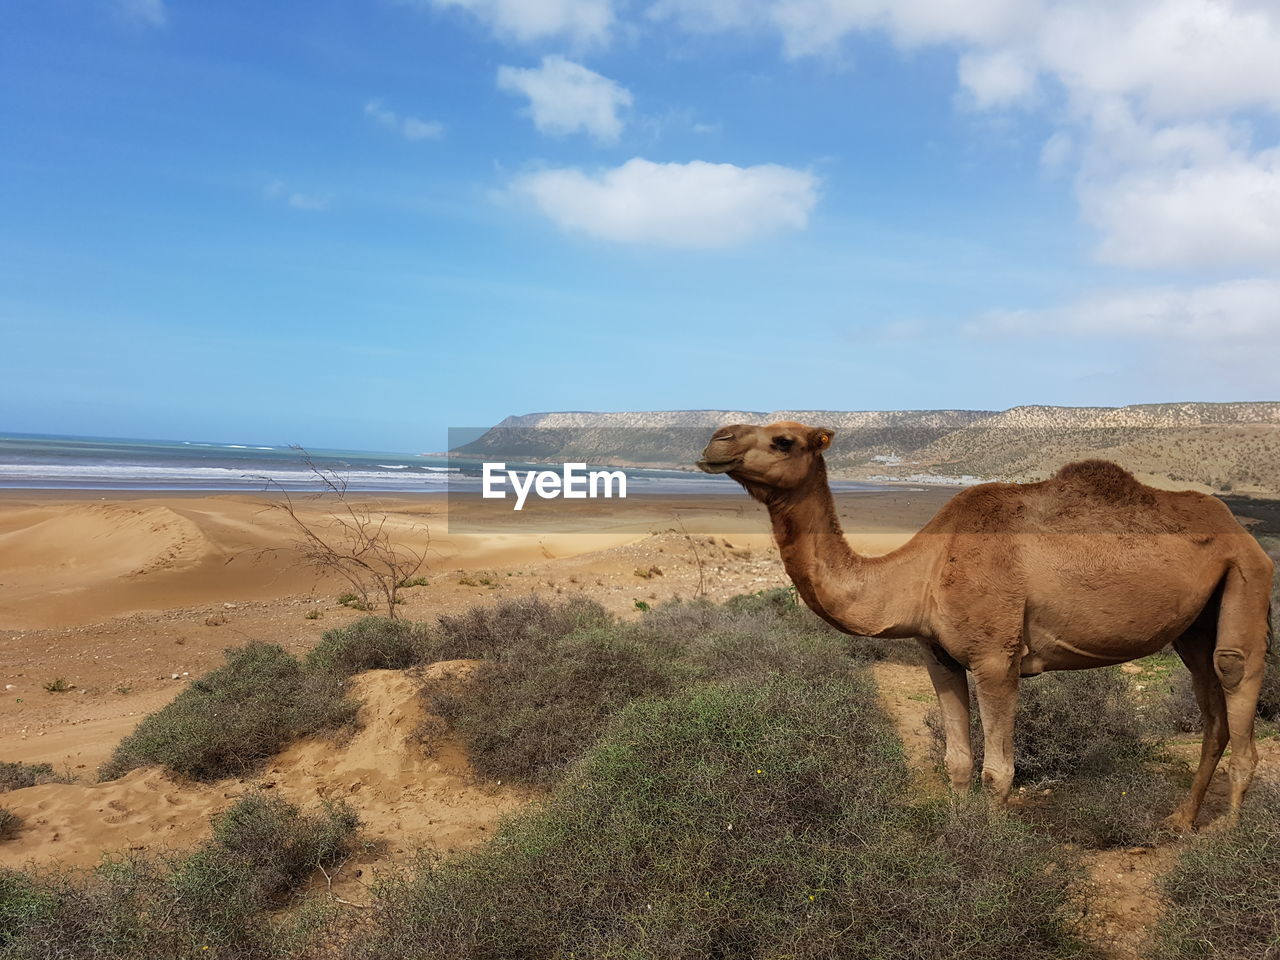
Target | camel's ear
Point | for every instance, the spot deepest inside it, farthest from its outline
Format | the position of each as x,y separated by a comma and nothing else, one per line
820,439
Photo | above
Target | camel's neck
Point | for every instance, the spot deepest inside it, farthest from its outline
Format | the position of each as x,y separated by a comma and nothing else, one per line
868,596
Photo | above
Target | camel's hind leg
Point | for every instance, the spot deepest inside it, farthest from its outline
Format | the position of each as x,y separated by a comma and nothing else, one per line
952,687
1239,658
1195,647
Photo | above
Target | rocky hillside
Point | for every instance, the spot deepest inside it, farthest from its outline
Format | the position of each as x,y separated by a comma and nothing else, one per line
1222,446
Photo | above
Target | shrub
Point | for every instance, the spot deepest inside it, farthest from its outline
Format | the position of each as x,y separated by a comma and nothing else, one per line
370,643
489,631
1068,723
1224,891
747,819
528,715
16,776
1081,732
1123,806
211,902
1176,710
550,687
232,719
1269,696
10,823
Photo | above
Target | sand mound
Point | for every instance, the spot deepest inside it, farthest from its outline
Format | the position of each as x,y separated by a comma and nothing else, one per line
406,798
106,539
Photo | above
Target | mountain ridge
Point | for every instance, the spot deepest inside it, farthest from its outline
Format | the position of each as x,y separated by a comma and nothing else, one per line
1231,446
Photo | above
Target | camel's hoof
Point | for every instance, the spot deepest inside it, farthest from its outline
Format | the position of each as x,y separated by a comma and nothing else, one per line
1178,823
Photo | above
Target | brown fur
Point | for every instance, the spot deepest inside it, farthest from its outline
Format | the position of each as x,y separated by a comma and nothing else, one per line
1086,569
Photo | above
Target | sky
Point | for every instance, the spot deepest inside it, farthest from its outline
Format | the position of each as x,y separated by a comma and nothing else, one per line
358,223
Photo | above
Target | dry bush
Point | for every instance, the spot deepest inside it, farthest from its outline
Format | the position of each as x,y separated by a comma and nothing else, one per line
353,542
10,823
758,818
213,902
16,776
232,719
1224,892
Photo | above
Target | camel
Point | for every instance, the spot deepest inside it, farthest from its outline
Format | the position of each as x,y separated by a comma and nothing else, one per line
1009,580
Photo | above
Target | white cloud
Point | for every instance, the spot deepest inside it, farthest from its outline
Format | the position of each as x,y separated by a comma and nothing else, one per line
583,22
279,191
1175,58
152,13
696,205
411,128
565,97
1154,95
815,26
1221,213
1241,311
997,79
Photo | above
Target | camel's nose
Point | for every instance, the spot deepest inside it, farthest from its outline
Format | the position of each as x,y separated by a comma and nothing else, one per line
723,439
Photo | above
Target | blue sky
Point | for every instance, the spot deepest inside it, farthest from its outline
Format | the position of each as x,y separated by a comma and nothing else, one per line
360,223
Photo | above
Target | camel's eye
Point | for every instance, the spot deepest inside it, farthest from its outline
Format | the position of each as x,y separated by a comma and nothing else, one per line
783,443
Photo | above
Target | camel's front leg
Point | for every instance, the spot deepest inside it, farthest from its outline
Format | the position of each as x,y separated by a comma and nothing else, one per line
997,686
952,687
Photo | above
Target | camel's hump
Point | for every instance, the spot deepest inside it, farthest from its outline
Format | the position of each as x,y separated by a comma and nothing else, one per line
1102,477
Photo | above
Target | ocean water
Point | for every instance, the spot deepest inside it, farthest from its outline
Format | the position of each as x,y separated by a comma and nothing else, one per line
42,462
34,461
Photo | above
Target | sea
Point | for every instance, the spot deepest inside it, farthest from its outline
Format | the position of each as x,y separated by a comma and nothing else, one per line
45,462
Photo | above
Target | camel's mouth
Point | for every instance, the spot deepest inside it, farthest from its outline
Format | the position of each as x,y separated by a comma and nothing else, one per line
717,466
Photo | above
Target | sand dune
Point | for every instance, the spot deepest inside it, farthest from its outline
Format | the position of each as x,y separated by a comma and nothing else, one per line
74,562
406,796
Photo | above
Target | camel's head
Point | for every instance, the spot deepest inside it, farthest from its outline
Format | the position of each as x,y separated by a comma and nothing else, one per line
782,455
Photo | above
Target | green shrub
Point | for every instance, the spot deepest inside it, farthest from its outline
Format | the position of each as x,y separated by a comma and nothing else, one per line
750,819
232,719
10,823
370,643
16,776
211,902
1224,891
